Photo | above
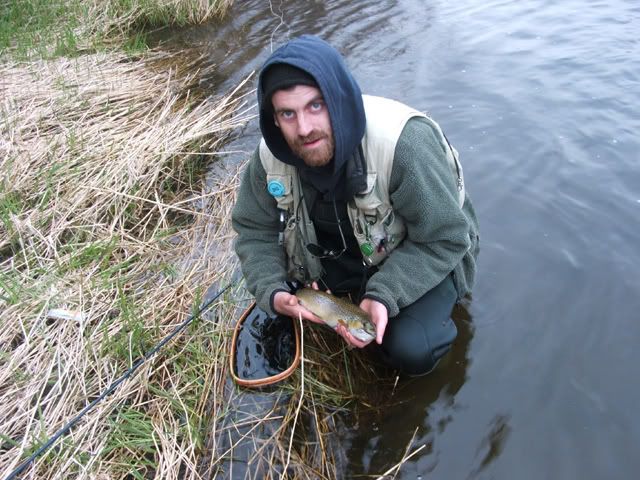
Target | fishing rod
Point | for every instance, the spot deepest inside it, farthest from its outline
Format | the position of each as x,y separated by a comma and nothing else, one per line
64,430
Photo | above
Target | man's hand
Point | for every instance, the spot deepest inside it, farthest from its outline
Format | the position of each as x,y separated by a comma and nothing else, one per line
350,339
378,315
286,304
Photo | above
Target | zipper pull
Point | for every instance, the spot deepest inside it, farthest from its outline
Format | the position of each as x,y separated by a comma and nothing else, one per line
282,225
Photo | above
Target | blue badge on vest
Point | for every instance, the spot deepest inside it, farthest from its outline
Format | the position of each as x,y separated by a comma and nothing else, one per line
275,188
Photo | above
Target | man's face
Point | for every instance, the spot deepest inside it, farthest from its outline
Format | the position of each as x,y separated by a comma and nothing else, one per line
303,118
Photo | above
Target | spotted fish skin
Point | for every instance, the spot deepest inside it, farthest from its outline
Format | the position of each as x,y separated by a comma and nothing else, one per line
336,311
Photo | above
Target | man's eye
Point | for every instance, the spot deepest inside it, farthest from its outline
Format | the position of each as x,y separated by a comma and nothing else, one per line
316,106
286,114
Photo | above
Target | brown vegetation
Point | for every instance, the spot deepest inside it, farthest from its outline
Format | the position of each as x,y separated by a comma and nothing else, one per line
108,239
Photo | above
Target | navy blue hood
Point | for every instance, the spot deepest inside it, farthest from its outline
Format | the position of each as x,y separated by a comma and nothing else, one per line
342,96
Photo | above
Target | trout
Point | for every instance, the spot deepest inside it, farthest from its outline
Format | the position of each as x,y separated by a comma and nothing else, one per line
336,311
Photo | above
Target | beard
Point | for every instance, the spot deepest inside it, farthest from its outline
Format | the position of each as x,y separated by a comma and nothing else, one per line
318,156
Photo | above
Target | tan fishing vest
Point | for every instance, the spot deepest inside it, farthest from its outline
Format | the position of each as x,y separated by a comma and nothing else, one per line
376,228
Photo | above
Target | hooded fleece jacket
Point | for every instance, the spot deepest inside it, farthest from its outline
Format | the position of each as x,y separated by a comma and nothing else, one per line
442,238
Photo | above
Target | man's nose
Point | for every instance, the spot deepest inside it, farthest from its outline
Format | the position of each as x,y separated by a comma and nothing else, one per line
304,126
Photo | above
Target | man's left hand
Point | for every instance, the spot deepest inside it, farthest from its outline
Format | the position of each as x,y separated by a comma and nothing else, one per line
378,315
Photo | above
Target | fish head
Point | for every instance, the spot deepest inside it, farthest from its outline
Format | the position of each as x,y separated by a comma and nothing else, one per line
362,334
362,330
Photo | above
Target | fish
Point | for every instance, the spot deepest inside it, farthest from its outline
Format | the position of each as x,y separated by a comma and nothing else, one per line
336,311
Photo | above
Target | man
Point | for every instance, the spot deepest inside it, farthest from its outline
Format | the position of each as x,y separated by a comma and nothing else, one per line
355,194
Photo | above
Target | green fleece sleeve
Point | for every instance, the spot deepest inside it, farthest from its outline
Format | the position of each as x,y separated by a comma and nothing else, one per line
423,192
255,220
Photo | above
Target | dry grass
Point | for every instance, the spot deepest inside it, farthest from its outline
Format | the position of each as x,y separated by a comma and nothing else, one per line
133,13
104,218
105,138
116,19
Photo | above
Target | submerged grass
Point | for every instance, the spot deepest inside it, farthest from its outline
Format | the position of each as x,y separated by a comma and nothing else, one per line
291,430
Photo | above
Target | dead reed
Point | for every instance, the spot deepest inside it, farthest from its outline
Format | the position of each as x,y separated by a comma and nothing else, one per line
124,16
115,20
108,239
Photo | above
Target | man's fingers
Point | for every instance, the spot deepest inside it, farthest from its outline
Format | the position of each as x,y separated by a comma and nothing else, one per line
350,339
306,314
380,328
355,342
315,286
313,318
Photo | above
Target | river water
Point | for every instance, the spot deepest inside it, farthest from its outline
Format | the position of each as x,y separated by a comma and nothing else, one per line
541,98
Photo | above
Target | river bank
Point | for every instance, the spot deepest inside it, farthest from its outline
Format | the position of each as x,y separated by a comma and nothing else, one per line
37,29
108,240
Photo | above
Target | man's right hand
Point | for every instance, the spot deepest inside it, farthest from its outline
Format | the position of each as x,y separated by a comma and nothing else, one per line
286,304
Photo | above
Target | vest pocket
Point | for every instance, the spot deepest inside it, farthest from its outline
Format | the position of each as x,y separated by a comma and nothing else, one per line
301,265
293,247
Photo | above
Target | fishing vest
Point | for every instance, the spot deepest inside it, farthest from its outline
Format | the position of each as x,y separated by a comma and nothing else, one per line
375,226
